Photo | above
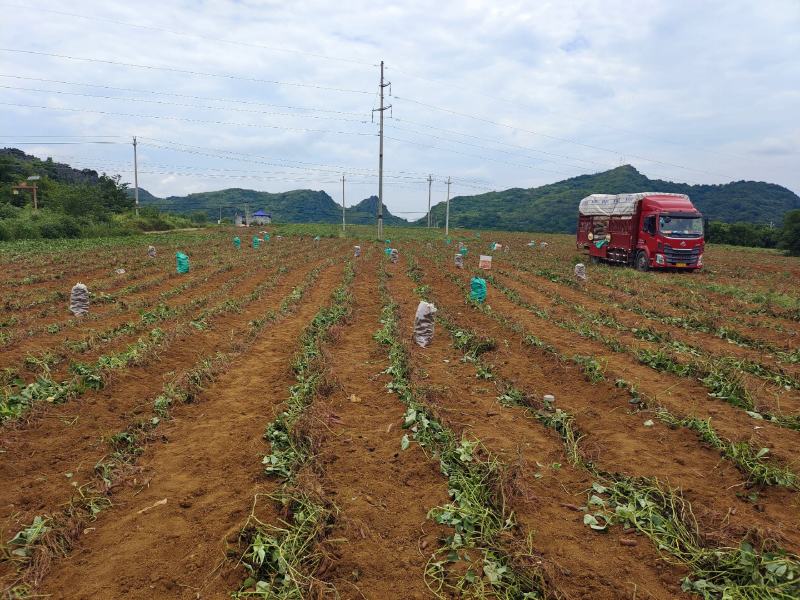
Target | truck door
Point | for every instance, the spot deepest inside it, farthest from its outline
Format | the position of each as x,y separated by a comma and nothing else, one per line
648,234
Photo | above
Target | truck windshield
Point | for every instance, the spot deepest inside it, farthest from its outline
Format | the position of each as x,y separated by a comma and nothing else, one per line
680,226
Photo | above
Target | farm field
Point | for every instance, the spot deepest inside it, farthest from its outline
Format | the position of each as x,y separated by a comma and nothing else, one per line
264,426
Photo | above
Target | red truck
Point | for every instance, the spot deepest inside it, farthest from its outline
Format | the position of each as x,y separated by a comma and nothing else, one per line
648,230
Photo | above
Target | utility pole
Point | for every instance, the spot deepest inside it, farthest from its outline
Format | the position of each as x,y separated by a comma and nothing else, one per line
135,177
430,180
247,215
380,157
343,221
447,211
219,221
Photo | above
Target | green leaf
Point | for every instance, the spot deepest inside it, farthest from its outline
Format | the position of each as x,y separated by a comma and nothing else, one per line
592,522
404,443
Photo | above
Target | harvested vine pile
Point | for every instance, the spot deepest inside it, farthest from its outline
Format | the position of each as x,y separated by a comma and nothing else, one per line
268,424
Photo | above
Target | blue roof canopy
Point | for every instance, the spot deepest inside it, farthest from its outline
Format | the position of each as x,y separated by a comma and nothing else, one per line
261,213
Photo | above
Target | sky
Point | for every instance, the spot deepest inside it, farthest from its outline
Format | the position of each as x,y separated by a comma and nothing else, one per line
276,96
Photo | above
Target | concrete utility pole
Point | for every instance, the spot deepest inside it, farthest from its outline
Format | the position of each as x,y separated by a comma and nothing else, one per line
135,177
380,157
343,221
430,180
447,211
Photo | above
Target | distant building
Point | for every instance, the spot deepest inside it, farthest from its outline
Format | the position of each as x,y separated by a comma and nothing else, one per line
261,218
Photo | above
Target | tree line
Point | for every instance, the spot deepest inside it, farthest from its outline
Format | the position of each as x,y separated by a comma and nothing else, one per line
759,235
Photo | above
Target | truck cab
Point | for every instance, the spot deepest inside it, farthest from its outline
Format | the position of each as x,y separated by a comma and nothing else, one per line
647,230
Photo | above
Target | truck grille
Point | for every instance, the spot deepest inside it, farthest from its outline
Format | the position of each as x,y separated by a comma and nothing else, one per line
688,256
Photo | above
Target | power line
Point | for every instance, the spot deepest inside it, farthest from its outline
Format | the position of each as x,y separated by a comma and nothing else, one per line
193,35
176,95
39,143
184,71
187,120
183,105
247,157
554,137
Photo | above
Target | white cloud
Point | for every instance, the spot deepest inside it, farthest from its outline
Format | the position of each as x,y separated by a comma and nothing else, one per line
712,87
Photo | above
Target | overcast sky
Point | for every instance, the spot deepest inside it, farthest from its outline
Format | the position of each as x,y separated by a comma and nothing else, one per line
279,95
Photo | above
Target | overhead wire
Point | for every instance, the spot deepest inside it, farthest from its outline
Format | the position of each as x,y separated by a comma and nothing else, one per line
185,71
193,35
554,137
363,120
188,120
176,95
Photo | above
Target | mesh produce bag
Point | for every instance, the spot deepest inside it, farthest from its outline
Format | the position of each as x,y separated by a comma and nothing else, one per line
256,241
79,300
356,251
151,251
477,289
424,324
580,272
237,242
182,262
459,260
394,255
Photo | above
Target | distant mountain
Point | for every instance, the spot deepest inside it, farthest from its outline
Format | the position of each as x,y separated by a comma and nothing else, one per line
296,206
554,207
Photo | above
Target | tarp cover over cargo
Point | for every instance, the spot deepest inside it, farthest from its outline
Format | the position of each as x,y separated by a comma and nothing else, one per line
613,205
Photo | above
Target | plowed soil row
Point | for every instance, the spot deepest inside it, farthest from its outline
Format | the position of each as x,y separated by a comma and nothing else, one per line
382,493
681,396
589,297
606,282
768,396
72,438
582,564
208,471
617,440
143,292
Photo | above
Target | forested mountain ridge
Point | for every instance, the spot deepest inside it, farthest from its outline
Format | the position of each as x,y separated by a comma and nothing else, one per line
554,207
296,206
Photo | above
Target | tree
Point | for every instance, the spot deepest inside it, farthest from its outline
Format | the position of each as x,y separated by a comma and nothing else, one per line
790,236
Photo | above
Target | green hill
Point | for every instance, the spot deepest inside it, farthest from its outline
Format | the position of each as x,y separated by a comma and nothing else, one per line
296,206
554,207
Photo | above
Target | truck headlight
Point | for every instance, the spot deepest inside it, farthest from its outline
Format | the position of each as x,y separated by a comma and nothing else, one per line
659,259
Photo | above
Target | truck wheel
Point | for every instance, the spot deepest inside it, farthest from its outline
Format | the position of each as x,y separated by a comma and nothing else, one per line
642,264
595,260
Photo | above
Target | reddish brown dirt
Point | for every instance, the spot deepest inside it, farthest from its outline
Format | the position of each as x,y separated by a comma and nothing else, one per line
383,494
202,286
71,438
583,564
208,470
590,298
768,397
207,459
679,395
617,440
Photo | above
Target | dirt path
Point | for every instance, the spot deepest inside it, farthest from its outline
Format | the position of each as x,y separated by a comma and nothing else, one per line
383,494
618,442
582,564
71,438
208,471
590,297
680,395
